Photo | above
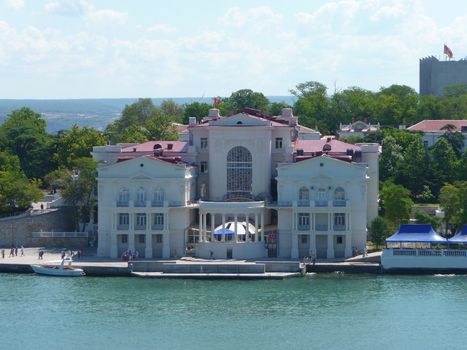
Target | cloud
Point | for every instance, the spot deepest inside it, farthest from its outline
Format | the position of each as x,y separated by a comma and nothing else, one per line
257,17
87,10
161,27
15,4
67,7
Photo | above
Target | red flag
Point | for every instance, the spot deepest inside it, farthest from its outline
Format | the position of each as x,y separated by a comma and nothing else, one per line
217,101
447,51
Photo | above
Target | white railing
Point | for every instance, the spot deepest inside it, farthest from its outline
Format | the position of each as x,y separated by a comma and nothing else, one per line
60,234
428,252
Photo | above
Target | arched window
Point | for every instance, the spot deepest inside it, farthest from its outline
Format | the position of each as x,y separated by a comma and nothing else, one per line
304,194
239,173
141,195
158,195
124,195
339,194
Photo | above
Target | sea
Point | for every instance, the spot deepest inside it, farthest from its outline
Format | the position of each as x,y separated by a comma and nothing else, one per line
96,113
321,311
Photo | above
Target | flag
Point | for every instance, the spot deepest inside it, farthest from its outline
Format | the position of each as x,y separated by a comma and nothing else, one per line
447,51
217,101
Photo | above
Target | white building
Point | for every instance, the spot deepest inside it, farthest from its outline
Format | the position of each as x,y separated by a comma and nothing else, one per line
432,130
245,186
357,129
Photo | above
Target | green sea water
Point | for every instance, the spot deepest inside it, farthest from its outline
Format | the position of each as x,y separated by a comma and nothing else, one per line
325,311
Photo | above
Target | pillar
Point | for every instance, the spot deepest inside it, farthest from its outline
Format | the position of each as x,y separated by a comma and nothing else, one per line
235,237
113,245
262,223
294,249
256,228
131,241
200,227
165,245
348,245
330,252
312,248
213,224
148,249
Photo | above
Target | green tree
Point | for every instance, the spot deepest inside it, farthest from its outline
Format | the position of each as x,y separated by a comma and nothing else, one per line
246,98
455,90
197,110
76,143
449,200
404,101
275,108
379,231
396,202
23,134
170,108
462,167
160,127
391,158
79,187
412,172
421,217
353,103
443,164
16,191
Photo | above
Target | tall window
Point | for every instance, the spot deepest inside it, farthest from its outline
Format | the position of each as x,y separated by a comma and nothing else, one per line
140,197
123,219
239,172
204,143
140,223
339,221
339,194
158,195
304,194
158,219
303,221
124,195
278,142
203,167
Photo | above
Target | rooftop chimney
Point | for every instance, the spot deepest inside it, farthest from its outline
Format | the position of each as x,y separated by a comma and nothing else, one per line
192,121
287,112
213,113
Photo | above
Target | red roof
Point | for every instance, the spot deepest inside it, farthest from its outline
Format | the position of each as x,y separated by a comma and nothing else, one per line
309,146
177,146
437,125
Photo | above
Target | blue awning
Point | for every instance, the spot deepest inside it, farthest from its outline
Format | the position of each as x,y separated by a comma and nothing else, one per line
223,231
460,237
416,233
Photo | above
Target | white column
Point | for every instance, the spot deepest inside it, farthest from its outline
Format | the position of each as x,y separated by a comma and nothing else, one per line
348,245
223,222
165,246
294,249
247,233
213,224
312,248
258,238
131,242
200,227
262,223
113,245
148,250
235,237
330,252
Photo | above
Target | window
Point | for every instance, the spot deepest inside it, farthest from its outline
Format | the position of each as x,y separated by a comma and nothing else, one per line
339,240
278,142
142,239
304,239
339,222
140,223
124,239
425,143
304,194
158,238
158,197
123,219
239,173
140,197
303,221
124,195
204,167
339,194
158,219
204,143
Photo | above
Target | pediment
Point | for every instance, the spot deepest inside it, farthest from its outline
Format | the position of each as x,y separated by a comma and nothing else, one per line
240,119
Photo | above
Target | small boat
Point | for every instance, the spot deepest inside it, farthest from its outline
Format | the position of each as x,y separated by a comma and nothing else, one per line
58,270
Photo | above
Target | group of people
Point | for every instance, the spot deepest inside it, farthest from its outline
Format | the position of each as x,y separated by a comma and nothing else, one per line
74,255
310,259
128,255
13,251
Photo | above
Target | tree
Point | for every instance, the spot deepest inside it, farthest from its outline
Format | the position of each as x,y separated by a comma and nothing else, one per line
455,139
170,108
421,217
79,189
275,108
160,127
462,167
406,101
443,164
449,200
23,134
396,202
412,172
16,191
455,90
77,143
246,98
391,158
353,103
379,231
197,110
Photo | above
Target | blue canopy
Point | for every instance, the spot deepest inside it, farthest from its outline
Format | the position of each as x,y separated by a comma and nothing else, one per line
416,233
460,237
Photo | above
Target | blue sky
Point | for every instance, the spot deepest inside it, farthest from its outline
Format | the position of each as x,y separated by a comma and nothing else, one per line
142,48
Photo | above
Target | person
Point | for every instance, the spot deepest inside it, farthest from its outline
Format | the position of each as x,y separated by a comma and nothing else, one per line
136,254
16,251
313,259
41,254
12,252
3,253
42,206
211,254
63,254
22,251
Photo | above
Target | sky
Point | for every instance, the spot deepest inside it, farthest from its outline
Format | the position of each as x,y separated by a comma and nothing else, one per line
51,49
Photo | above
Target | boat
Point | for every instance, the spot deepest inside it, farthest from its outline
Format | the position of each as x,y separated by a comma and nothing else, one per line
63,269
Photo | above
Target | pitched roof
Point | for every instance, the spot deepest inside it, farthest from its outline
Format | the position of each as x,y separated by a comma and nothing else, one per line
437,125
177,146
337,146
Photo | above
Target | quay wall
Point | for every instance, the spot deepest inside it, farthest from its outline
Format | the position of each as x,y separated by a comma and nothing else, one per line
18,230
